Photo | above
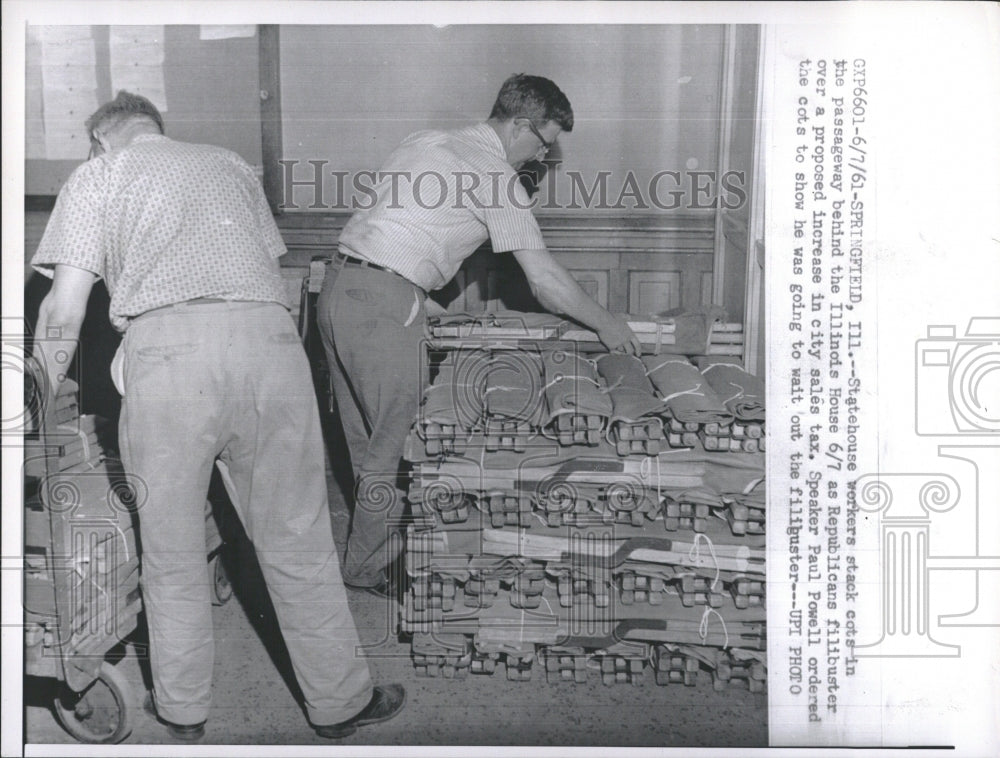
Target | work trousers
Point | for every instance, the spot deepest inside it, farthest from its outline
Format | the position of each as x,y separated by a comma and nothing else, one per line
372,325
230,382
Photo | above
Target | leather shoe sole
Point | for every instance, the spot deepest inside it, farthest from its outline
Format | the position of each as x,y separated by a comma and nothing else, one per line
387,700
185,732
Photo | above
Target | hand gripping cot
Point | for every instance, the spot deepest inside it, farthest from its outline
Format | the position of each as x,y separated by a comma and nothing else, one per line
700,333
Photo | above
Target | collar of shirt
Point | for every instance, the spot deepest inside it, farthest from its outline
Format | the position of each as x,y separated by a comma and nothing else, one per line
484,137
149,138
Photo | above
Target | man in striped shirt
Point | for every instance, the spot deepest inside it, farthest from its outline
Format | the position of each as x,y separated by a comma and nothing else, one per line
440,195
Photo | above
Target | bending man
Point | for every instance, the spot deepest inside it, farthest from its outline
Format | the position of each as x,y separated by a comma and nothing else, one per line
211,369
440,196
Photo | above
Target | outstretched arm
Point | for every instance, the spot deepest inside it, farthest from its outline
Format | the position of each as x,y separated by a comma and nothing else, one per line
557,291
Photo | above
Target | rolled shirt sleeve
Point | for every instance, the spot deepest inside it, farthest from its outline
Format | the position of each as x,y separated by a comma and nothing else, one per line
510,222
75,234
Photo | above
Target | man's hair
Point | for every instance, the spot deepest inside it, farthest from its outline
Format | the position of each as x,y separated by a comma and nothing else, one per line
125,107
535,98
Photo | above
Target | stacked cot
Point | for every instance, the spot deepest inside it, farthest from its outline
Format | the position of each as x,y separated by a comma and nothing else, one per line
691,364
557,523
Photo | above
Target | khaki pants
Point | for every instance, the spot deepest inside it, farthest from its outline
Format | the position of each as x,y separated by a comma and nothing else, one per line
231,382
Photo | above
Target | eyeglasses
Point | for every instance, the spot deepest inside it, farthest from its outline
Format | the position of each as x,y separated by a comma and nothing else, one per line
546,145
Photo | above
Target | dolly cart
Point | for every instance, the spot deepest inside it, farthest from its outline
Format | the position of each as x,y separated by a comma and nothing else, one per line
81,567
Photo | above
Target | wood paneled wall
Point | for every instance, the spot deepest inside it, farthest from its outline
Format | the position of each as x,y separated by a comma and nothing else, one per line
638,265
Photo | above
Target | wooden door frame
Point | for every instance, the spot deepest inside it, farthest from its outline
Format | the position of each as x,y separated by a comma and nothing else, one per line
754,325
271,140
753,232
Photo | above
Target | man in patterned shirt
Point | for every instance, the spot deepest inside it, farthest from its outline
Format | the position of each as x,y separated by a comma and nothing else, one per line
212,371
440,195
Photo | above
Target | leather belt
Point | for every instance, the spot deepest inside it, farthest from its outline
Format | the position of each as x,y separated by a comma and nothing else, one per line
350,260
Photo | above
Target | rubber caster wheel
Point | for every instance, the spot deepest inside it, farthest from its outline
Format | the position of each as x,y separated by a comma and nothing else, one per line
100,714
222,589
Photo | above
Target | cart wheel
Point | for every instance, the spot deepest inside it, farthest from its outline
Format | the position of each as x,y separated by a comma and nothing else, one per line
100,714
222,590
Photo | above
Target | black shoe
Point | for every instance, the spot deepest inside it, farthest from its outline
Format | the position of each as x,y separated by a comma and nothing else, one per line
185,732
387,700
